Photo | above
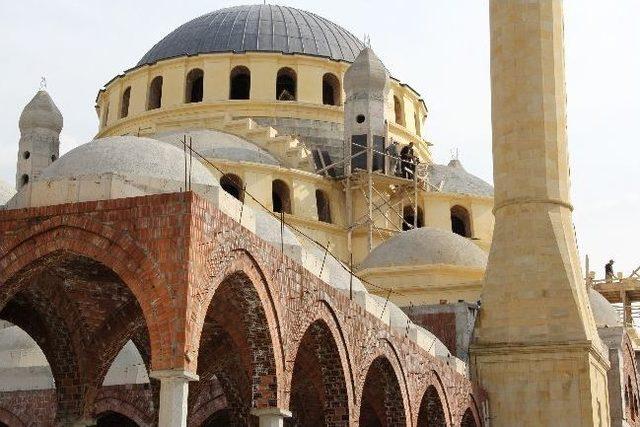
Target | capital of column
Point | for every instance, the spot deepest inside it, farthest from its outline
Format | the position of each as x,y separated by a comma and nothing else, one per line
174,374
271,417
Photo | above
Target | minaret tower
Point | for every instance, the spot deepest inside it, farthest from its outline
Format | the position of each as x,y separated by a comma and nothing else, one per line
536,350
39,146
366,82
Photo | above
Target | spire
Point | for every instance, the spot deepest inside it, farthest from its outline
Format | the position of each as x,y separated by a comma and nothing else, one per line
366,73
41,112
40,126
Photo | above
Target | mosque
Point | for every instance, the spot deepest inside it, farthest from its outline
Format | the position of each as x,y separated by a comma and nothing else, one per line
239,246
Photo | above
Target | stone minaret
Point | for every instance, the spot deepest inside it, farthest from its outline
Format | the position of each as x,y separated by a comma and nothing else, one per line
365,85
536,347
39,146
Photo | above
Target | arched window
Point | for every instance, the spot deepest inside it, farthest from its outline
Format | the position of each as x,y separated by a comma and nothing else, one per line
194,87
460,221
409,218
233,185
124,107
281,196
323,206
418,123
398,110
286,85
154,97
331,92
240,83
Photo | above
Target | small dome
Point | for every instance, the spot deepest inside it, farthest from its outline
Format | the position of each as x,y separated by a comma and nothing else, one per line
41,112
6,192
604,313
366,73
257,28
127,156
426,246
455,179
219,145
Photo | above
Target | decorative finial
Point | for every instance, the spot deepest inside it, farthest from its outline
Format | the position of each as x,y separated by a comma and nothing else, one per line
455,154
43,83
367,40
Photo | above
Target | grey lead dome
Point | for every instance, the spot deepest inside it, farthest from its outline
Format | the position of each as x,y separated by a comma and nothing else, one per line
264,28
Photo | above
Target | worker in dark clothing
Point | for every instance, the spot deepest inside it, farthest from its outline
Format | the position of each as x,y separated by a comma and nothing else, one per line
608,271
408,161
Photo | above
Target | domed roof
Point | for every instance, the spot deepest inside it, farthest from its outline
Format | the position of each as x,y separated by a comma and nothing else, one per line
219,145
455,179
41,112
6,192
268,28
128,156
426,246
604,313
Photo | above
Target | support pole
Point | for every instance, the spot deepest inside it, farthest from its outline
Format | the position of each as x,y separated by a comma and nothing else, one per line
370,191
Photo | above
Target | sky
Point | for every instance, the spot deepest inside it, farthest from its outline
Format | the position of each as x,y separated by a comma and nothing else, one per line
439,47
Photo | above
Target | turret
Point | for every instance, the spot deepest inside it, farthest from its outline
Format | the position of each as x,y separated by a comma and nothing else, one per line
39,146
365,84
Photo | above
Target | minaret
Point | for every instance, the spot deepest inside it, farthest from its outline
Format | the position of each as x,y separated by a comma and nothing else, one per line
366,82
39,146
536,350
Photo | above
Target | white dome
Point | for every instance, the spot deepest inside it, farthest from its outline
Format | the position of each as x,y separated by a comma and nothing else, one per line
426,246
6,192
127,156
604,313
219,145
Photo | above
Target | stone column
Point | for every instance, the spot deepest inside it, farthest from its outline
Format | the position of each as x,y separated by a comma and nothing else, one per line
536,351
271,417
174,393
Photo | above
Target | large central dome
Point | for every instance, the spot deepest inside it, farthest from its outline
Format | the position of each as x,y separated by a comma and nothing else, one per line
265,28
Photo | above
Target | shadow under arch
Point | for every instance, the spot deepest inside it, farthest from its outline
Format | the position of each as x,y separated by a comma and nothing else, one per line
382,401
320,387
239,337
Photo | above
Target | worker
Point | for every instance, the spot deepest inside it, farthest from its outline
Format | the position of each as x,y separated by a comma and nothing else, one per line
407,158
392,153
608,271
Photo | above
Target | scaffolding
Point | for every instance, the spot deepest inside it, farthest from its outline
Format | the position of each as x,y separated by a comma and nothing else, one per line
386,194
622,292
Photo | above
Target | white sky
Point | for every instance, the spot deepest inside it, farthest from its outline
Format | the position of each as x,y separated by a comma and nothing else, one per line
439,47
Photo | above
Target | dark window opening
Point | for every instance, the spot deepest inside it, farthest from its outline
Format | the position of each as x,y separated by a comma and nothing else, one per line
106,115
26,155
286,85
281,197
460,221
53,157
399,112
124,108
330,90
409,218
360,118
113,419
24,179
154,97
323,206
233,185
194,86
240,83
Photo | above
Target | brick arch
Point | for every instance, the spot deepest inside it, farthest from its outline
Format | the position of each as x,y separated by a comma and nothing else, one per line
116,251
376,347
111,404
433,381
9,418
432,409
318,376
382,400
239,266
470,418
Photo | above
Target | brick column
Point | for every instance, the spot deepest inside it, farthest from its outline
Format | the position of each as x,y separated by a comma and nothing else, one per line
174,393
271,417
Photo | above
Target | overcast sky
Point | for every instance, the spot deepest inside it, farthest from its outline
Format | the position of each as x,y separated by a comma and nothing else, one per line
439,47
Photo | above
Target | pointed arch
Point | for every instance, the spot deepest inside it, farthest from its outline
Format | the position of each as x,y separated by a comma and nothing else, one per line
431,412
382,402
